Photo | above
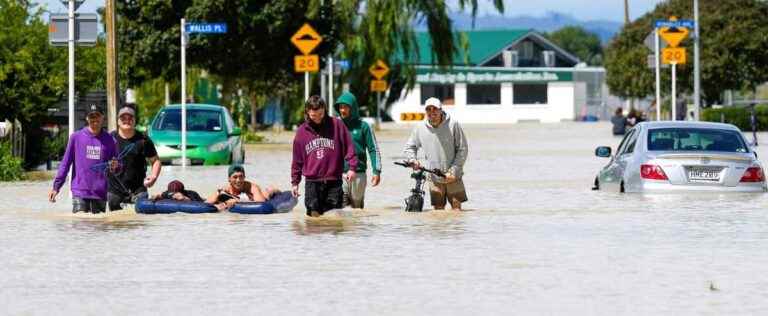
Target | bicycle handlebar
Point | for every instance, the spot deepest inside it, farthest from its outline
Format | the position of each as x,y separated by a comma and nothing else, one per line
435,171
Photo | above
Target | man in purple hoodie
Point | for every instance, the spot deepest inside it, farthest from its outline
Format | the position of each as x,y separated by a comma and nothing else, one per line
92,151
321,146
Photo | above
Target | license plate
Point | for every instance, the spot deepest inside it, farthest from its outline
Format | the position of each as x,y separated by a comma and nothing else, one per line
704,174
178,161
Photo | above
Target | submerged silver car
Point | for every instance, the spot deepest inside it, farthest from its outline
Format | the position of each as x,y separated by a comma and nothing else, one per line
681,156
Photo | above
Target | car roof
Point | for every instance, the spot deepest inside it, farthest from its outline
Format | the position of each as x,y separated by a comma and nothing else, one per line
687,124
195,106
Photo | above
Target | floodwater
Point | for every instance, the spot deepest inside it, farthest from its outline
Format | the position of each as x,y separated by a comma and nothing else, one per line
534,240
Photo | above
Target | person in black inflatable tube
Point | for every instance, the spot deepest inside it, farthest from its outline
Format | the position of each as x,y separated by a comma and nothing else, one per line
238,189
177,192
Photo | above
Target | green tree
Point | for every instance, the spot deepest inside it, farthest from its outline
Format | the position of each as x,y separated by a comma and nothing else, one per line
579,42
256,54
734,50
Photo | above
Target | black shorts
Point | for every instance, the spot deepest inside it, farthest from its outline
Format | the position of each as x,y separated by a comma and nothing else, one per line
116,198
88,205
323,196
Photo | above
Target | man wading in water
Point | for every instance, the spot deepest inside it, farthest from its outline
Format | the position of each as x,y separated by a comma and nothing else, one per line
90,151
136,150
445,148
320,147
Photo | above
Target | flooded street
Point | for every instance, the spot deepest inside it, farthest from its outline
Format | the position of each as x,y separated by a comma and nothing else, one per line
535,239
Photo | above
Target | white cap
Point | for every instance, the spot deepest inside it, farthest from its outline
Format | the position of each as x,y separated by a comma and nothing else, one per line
433,102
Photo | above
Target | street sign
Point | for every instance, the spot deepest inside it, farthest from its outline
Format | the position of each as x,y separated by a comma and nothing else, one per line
206,28
306,63
343,64
673,35
671,55
412,116
86,29
379,69
378,85
651,61
77,3
306,39
689,24
650,42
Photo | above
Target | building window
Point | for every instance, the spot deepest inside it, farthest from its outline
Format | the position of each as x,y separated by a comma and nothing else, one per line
483,94
444,92
533,93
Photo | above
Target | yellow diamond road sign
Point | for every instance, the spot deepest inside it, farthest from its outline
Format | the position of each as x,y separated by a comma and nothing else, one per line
306,39
673,36
379,69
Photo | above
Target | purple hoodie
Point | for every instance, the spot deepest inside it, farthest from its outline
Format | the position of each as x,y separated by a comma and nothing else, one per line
319,151
86,150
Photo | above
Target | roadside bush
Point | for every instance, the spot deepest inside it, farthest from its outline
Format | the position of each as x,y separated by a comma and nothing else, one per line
738,116
10,167
252,137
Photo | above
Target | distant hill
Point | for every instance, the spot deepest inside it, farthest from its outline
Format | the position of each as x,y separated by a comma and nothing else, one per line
551,21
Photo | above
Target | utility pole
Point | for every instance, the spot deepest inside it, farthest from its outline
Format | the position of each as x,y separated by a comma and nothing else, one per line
626,11
112,80
696,66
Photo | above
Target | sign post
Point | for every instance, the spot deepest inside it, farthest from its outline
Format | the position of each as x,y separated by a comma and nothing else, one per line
186,29
658,74
306,40
378,70
673,31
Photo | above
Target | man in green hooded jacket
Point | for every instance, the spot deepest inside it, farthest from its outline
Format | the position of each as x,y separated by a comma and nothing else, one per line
365,141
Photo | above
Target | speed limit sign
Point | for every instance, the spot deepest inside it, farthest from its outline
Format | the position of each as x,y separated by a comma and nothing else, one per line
671,55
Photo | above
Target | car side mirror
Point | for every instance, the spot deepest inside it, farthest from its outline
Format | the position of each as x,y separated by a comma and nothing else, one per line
235,132
603,151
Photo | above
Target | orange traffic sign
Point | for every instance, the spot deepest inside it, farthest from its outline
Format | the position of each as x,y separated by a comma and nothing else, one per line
306,39
673,35
306,63
378,85
673,55
411,116
379,69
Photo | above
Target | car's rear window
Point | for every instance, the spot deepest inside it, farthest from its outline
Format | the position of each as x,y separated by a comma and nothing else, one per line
695,139
197,120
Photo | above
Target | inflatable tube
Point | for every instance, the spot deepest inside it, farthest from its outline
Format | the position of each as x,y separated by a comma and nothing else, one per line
146,206
280,202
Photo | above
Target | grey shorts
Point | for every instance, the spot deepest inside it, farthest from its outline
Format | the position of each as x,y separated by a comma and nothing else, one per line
88,205
441,193
354,191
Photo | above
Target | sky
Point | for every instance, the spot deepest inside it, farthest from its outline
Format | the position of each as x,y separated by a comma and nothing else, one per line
612,10
585,10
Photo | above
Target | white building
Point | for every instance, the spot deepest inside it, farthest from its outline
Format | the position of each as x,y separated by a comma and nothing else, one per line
505,77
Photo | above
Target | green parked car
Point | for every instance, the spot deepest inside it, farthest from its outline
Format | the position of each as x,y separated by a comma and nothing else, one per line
212,137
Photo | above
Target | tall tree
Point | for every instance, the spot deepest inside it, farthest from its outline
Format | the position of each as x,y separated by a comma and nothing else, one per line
734,50
580,42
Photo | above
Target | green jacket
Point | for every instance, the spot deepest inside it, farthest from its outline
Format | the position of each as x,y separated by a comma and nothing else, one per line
362,136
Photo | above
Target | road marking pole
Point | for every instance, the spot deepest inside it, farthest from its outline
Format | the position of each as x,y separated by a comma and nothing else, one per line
658,74
183,95
674,92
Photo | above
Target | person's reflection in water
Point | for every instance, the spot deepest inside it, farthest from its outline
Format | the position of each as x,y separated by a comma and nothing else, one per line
101,225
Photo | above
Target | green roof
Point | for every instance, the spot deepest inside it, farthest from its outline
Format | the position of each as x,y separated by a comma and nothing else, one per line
482,45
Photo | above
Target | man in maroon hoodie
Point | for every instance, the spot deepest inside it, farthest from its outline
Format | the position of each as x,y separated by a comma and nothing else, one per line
321,146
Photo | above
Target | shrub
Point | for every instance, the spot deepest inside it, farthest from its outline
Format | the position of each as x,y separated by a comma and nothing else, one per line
738,116
10,167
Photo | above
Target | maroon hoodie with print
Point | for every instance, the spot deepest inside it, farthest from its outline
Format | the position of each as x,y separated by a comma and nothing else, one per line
319,151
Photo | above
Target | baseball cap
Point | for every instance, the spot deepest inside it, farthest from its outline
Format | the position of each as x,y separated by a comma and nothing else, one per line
126,110
433,102
235,168
94,110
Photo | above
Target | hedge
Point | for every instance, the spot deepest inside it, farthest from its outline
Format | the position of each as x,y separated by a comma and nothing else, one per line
738,116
